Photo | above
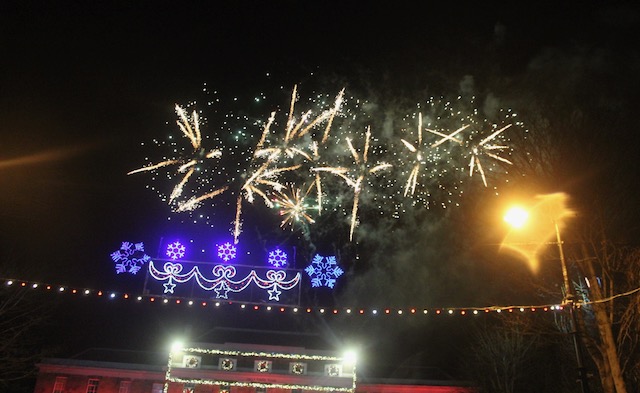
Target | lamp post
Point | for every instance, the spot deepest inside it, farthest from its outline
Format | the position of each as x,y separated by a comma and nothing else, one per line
517,217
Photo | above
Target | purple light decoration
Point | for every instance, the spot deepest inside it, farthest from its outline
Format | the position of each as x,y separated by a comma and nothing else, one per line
277,258
175,250
129,258
323,271
226,251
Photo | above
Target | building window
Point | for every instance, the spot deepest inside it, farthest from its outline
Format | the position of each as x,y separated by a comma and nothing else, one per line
124,386
92,385
60,384
157,388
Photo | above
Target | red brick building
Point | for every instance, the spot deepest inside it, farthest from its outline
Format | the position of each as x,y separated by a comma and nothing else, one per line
225,368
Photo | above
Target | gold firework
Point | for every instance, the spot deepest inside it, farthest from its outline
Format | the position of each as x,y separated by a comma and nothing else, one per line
363,171
293,206
187,165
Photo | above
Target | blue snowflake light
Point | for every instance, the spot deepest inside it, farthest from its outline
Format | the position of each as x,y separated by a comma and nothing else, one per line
129,258
277,258
175,250
323,271
226,251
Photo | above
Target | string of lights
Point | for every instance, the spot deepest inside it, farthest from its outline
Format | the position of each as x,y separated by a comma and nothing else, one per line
275,355
371,311
152,299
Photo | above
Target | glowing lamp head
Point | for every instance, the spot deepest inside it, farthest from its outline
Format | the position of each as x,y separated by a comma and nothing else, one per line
516,217
350,357
176,346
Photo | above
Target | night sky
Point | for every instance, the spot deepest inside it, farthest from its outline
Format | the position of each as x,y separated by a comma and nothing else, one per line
82,85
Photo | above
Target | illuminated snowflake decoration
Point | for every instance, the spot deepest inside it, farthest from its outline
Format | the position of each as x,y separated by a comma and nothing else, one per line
175,250
226,251
323,271
277,258
129,258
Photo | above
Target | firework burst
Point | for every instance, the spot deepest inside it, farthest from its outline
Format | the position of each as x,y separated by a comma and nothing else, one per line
295,130
293,206
487,149
189,164
283,164
362,170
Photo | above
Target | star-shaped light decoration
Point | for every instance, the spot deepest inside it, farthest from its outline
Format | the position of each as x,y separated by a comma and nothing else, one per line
274,294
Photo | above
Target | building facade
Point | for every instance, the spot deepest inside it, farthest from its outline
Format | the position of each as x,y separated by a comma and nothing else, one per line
225,368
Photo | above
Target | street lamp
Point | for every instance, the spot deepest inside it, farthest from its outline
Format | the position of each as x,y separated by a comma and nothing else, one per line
517,218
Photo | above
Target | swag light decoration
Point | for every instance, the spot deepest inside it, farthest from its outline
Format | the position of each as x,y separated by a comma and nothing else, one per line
224,282
181,265
223,279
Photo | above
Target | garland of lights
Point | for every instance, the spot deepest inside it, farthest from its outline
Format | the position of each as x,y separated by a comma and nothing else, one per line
262,385
273,355
256,385
432,311
275,281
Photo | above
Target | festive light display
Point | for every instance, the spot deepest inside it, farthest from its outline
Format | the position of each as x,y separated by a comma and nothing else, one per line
277,258
129,258
274,283
323,271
